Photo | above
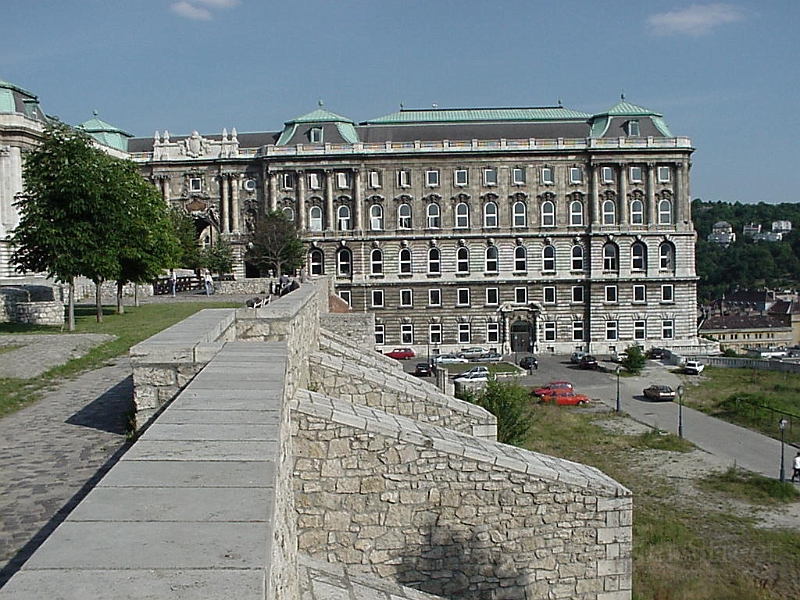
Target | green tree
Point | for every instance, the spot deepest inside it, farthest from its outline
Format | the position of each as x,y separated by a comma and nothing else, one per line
186,232
217,258
274,245
510,403
634,360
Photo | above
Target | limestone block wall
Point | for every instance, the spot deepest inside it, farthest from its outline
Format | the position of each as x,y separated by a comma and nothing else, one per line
398,393
453,515
359,328
256,286
32,304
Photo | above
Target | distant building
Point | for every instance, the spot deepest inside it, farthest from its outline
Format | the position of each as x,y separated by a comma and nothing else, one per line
722,234
782,227
768,236
742,332
751,229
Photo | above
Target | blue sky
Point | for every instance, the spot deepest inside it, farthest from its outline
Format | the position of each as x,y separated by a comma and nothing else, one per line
726,74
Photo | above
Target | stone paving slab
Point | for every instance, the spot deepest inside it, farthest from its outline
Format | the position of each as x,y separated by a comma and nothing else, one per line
138,474
41,352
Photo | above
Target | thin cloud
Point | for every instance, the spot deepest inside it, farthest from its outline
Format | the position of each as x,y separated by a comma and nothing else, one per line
697,20
200,10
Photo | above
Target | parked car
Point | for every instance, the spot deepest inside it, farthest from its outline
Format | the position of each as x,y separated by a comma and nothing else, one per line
444,359
659,392
619,356
423,370
656,353
589,362
693,367
491,357
476,369
401,353
473,377
553,385
576,357
529,362
474,352
568,398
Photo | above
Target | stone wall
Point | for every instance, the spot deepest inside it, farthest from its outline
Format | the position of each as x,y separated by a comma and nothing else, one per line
452,515
256,286
359,328
31,304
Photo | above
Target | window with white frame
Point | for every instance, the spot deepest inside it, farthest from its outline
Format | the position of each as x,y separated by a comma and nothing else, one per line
344,262
548,214
315,135
434,297
638,256
518,176
404,178
547,176
343,180
380,338
406,333
492,296
491,264
635,175
317,260
610,258
314,182
315,218
665,212
576,213
490,215
667,329
637,212
611,293
607,175
195,184
376,261
577,331
639,294
549,258
520,214
520,295
577,294
550,331
462,297
377,299
632,128
464,333
492,333
549,294
575,175
520,259
460,178
462,215
406,298
490,176
404,216
664,174
288,212
287,181
343,218
376,217
609,212
374,179
640,330
434,261
462,260
432,178
611,330
667,293
405,261
666,254
435,333
434,216
577,258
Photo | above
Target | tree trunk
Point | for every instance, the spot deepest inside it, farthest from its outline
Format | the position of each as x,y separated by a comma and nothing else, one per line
71,304
98,300
120,305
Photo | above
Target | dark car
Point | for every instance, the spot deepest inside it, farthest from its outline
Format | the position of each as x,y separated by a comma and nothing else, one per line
662,393
656,353
589,362
423,370
529,362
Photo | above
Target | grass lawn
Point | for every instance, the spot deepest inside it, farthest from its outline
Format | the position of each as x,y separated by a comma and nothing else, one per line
137,324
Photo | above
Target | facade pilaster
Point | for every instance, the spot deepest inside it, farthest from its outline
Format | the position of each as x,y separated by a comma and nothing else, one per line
329,220
224,217
235,209
594,201
358,199
651,216
623,195
301,199
272,190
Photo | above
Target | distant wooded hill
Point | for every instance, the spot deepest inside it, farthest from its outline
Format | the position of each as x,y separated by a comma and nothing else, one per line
746,264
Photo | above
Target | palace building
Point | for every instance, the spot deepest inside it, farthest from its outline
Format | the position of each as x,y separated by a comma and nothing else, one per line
538,229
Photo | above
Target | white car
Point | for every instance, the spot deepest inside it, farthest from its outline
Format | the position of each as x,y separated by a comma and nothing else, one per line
444,359
474,377
476,369
693,367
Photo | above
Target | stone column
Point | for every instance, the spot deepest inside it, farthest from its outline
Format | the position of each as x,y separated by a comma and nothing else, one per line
358,200
622,218
223,203
272,191
235,209
301,200
165,188
594,206
651,214
329,218
682,200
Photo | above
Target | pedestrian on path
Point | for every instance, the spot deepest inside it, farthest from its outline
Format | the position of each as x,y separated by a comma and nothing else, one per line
173,281
209,282
796,472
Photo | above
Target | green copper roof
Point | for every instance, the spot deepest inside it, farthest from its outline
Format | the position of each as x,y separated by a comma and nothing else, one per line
320,115
345,126
601,121
106,134
8,100
626,109
457,115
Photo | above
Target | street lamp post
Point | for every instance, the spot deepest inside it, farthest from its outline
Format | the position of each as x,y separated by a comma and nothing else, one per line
618,369
782,426
680,411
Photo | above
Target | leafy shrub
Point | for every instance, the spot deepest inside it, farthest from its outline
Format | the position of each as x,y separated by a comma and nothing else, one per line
510,403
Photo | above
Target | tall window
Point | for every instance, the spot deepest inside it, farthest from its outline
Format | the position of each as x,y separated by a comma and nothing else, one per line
550,331
462,297
462,215
405,261
406,298
610,258
666,255
464,333
490,214
462,260
492,296
435,333
668,329
611,330
611,293
548,214
376,217
663,174
577,258
404,216
343,180
549,294
377,298
607,174
492,333
317,260
520,215
637,212
460,177
520,295
667,293
343,218
432,178
288,212
376,261
548,258
638,256
315,218
434,261
636,175
576,213
520,259
344,262
547,176
639,294
576,175
490,177
518,176
491,259
374,179
609,212
665,212
640,330
434,216
314,182
577,331
403,178
434,297
380,337
287,181
406,333
577,294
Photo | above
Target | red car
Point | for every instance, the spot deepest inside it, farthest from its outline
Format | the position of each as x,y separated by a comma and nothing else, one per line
566,398
553,388
401,353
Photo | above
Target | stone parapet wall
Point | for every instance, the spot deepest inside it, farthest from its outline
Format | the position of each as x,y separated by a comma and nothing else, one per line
359,328
398,393
256,286
453,515
345,346
31,304
40,313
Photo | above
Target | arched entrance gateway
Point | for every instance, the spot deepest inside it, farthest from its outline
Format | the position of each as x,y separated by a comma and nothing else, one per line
519,327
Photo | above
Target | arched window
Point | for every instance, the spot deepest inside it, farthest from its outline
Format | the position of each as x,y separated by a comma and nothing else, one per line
548,214
343,218
462,215
638,256
520,258
637,212
576,213
434,216
404,216
376,261
405,261
520,214
666,257
317,260
610,255
577,258
548,258
490,214
376,217
462,260
288,212
344,262
665,212
315,218
491,259
609,212
434,261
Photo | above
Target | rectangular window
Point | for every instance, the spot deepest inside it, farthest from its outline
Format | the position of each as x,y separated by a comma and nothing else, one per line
462,298
577,331
287,181
435,297
549,295
195,184
406,298
492,296
549,331
576,175
607,175
667,293
374,179
611,330
639,330
460,177
633,128
663,174
407,333
379,335
518,176
403,178
577,294
343,180
611,293
490,177
667,329
313,181
435,333
432,178
345,295
636,174
377,298
464,333
547,176
520,295
493,333
315,135
639,293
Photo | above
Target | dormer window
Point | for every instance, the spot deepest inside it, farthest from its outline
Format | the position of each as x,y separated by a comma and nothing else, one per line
632,128
315,135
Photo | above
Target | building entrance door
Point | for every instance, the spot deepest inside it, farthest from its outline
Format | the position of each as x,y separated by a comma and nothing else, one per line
522,336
